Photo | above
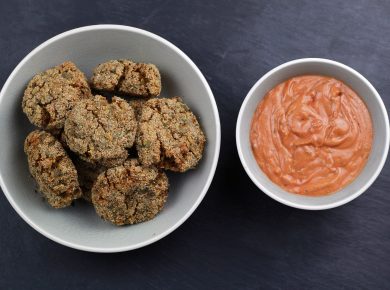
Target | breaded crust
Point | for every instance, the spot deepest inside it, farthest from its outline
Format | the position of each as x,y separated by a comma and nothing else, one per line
130,193
137,105
127,77
99,131
50,95
52,169
169,135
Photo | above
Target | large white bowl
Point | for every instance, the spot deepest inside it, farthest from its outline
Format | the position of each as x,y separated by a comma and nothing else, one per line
79,226
358,83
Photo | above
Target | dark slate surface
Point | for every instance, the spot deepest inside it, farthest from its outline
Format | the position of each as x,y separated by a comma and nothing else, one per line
238,237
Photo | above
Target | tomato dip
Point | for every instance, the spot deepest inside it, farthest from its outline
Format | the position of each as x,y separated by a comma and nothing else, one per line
311,135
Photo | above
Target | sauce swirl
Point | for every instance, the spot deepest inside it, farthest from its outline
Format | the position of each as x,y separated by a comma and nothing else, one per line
311,135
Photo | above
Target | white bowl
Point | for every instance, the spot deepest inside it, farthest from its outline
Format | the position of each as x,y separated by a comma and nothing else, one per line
79,227
358,83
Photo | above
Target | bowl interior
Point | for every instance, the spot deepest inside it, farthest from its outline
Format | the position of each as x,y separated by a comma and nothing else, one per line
79,226
357,83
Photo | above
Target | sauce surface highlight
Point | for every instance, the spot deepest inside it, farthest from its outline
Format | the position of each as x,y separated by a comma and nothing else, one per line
311,135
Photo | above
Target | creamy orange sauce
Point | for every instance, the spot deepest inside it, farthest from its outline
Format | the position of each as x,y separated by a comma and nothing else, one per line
311,135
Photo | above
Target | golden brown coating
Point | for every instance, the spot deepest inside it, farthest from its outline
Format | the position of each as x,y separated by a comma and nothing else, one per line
169,135
130,193
127,77
51,94
137,105
99,131
52,169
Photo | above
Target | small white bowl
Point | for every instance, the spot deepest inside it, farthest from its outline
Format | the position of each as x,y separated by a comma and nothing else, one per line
79,227
358,83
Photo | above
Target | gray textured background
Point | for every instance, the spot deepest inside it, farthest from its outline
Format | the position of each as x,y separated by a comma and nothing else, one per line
238,237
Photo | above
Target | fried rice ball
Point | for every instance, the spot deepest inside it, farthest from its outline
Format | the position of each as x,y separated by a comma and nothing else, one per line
127,77
99,131
169,135
50,95
52,169
130,193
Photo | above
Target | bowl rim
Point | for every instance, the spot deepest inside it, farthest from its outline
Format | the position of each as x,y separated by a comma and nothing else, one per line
214,158
296,204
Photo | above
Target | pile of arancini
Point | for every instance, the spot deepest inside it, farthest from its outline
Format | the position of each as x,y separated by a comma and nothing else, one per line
111,151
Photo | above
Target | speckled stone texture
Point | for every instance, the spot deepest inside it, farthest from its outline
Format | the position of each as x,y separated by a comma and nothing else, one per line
238,238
